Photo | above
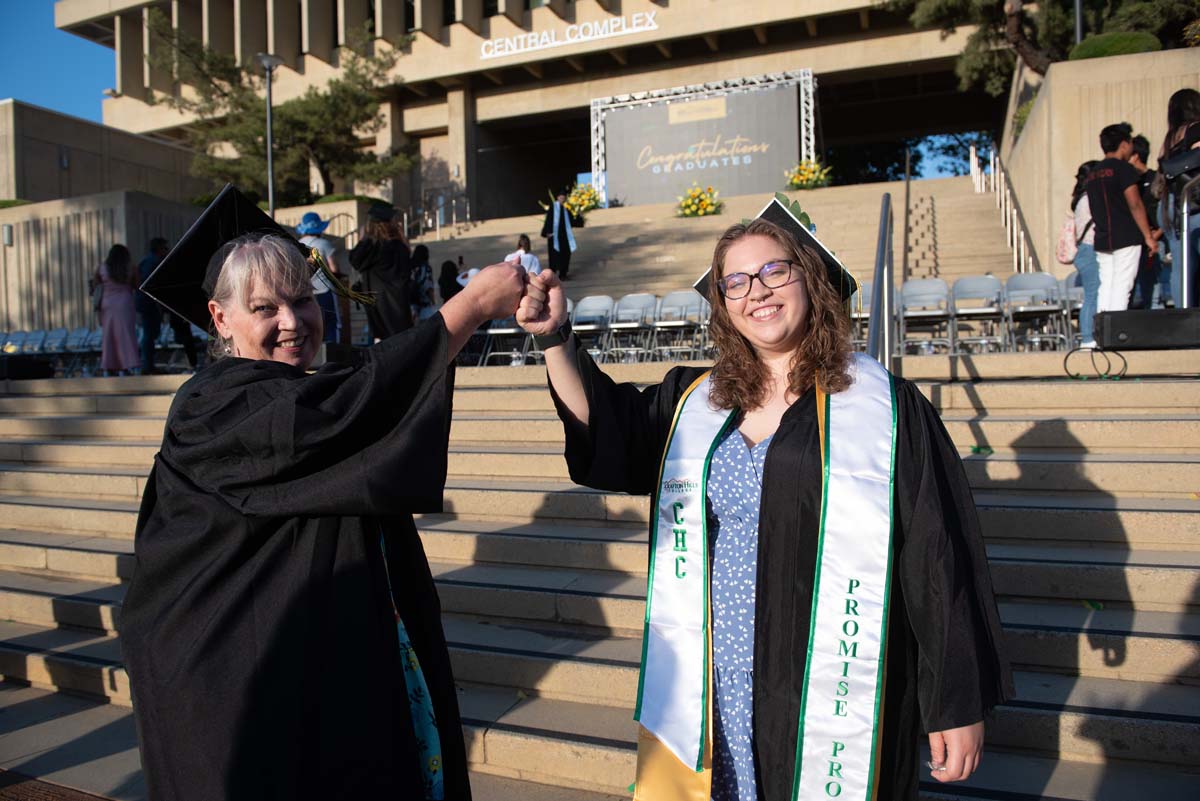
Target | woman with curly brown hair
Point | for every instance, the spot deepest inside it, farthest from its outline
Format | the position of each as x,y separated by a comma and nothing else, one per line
790,483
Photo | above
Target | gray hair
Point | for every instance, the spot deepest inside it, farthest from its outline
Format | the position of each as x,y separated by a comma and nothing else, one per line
257,259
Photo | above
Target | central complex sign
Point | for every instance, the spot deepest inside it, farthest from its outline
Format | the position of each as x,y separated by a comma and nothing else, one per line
739,143
640,22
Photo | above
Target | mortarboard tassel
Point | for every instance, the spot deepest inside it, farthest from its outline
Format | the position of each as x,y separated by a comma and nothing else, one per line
317,260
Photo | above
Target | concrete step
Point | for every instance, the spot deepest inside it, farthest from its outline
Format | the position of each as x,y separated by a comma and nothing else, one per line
1138,474
1092,636
1123,397
69,555
137,429
1158,475
1125,719
1175,433
53,737
111,482
1138,522
111,404
77,452
1148,580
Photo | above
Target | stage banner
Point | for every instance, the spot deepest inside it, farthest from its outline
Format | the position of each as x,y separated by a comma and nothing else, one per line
738,143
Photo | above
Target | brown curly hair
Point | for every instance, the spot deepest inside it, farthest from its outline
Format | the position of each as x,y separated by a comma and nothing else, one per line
739,378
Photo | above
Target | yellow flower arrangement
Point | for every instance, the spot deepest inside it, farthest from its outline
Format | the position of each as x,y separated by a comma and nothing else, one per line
582,199
699,201
808,175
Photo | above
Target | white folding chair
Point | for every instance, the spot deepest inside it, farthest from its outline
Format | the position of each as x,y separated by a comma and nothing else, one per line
679,326
1034,305
926,309
590,323
630,329
978,302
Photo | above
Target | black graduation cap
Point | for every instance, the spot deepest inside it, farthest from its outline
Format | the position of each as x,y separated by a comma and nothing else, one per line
787,215
184,280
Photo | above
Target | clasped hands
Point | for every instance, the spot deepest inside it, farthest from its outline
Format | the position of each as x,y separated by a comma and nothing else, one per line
507,290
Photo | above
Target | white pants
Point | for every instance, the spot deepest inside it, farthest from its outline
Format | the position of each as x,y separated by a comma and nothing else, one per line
1117,273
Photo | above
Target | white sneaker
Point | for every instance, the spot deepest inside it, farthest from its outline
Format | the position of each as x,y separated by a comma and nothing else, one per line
1089,345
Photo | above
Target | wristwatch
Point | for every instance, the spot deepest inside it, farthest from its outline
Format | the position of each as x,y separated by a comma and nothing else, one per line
558,337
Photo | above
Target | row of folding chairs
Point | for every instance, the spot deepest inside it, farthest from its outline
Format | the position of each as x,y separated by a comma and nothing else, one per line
71,350
978,313
639,327
77,351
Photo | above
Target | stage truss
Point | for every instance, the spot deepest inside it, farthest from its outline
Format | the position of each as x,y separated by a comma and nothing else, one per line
801,78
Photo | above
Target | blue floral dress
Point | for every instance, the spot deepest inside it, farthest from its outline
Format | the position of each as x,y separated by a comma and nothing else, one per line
429,743
734,496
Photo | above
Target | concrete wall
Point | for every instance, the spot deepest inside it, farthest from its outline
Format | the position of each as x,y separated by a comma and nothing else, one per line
57,245
45,155
1076,100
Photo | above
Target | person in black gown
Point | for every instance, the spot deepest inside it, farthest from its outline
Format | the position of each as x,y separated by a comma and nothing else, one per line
778,346
282,630
384,262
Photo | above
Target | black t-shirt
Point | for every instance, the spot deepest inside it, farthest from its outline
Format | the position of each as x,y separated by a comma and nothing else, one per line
1106,185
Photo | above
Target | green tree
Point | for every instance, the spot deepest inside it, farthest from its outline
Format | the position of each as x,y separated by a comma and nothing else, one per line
325,127
1039,34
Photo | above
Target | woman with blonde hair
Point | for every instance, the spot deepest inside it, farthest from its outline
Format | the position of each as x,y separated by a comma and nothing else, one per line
790,485
282,631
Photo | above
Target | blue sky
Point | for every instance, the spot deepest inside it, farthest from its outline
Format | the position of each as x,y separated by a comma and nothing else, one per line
42,65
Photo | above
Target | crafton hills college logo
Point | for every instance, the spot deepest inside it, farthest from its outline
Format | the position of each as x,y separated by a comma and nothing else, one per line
679,486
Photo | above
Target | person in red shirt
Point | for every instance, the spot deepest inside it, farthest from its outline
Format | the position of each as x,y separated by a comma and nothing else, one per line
1121,225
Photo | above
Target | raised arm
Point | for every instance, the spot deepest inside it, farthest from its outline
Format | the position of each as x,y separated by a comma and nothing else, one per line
543,311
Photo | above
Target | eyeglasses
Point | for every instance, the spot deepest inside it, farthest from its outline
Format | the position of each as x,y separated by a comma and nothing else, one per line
772,275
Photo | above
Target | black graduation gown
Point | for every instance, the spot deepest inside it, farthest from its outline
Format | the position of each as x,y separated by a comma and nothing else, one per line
386,268
944,663
257,632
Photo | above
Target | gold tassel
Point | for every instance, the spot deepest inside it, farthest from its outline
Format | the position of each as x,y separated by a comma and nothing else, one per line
317,260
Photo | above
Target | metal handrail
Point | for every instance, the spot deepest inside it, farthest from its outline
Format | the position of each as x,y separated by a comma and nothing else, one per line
882,324
1016,231
1185,246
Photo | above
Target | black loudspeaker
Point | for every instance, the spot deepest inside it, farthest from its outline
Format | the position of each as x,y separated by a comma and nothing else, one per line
1158,329
24,367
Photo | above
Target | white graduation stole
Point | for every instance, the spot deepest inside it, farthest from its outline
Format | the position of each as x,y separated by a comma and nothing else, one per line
841,708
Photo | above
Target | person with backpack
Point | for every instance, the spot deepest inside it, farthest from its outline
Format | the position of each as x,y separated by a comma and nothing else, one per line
1076,245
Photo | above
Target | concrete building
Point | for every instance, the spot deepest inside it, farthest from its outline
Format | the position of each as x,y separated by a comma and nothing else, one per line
45,155
495,94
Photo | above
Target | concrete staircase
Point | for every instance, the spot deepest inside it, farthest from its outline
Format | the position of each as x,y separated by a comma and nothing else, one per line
1088,493
953,232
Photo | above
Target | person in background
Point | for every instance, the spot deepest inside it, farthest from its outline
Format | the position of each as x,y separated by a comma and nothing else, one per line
382,257
1085,254
1121,225
1183,134
421,282
448,285
524,254
560,238
151,313
311,230
1152,269
118,318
